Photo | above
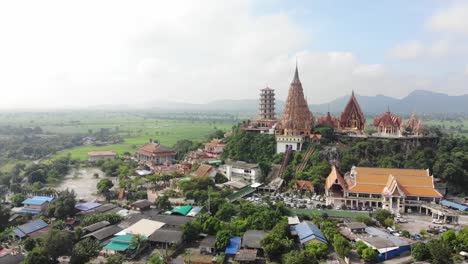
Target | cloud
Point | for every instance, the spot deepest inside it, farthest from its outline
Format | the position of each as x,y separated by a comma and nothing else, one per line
451,19
409,50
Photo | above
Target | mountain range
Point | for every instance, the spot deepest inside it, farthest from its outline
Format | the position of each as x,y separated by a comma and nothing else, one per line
418,101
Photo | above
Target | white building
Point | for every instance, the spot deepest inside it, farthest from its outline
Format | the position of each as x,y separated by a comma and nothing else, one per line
240,170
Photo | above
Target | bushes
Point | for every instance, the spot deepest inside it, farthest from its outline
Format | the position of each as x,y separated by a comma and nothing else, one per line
112,218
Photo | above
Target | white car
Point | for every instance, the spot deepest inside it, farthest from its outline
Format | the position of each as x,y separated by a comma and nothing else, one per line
436,221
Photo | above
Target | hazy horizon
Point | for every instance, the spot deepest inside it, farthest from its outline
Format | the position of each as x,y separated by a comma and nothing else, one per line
60,54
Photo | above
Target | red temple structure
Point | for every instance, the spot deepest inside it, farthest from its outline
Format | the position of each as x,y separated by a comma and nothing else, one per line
297,118
352,119
388,124
414,127
297,121
329,120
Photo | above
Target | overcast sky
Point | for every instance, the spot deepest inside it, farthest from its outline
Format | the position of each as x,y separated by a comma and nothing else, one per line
84,53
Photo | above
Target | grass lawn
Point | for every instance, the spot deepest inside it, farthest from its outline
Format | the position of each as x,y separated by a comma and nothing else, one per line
7,166
331,213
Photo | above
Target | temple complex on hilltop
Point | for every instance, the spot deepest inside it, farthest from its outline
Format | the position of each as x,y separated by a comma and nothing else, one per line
297,121
390,125
266,122
414,127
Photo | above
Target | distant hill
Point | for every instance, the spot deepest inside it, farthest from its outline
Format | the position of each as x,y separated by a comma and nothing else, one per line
418,101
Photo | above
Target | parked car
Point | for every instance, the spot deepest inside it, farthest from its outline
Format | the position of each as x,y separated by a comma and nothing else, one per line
416,237
437,221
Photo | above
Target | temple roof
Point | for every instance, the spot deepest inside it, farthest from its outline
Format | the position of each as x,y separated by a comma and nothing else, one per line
352,107
415,124
297,116
333,177
328,120
387,119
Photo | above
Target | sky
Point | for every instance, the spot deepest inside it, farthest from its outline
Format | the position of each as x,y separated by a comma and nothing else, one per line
56,54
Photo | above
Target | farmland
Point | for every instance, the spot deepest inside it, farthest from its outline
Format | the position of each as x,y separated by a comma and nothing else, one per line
134,128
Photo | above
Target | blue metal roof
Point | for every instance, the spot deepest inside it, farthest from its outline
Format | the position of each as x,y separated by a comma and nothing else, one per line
87,206
30,227
233,246
307,232
38,200
454,205
29,211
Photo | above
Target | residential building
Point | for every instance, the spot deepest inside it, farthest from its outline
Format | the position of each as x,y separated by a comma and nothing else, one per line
104,233
119,244
396,190
239,170
167,237
308,232
215,147
141,205
33,228
101,155
205,170
155,153
208,245
252,239
36,204
356,227
96,226
233,246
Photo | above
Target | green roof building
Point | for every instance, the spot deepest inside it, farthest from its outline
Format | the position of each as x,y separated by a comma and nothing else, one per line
120,243
181,210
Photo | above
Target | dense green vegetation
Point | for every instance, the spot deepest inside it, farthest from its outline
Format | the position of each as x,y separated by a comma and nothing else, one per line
444,249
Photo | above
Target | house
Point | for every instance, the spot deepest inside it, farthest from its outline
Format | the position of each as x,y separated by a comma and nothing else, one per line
173,220
104,233
252,239
8,256
396,190
181,210
239,170
101,155
96,226
119,244
87,206
31,229
233,246
356,227
141,205
293,220
308,232
245,256
36,205
387,245
144,227
208,245
167,237
205,170
304,186
215,147
155,153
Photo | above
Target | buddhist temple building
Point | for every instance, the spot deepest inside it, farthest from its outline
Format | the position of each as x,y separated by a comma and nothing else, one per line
329,120
352,119
414,127
266,121
297,121
388,125
396,190
155,153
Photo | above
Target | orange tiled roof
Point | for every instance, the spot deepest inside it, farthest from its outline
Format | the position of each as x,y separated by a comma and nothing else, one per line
332,177
203,170
304,185
409,182
155,149
215,143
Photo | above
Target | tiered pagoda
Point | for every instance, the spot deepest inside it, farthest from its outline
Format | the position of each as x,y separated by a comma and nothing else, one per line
266,117
297,121
352,119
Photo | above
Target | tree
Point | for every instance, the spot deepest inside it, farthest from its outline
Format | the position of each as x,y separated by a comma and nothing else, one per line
388,222
440,251
17,199
38,256
226,211
265,168
104,185
316,250
382,214
341,245
155,259
139,242
29,244
84,250
4,216
63,205
369,253
298,257
191,230
277,241
211,225
365,219
162,202
420,252
360,246
115,259
222,239
58,243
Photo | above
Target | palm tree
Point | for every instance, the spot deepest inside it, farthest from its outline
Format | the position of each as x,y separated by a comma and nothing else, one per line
139,242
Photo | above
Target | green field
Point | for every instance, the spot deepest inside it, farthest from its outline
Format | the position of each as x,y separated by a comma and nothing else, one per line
331,213
135,127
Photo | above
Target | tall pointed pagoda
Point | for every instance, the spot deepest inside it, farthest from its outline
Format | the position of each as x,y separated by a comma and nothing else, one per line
352,118
297,121
297,118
